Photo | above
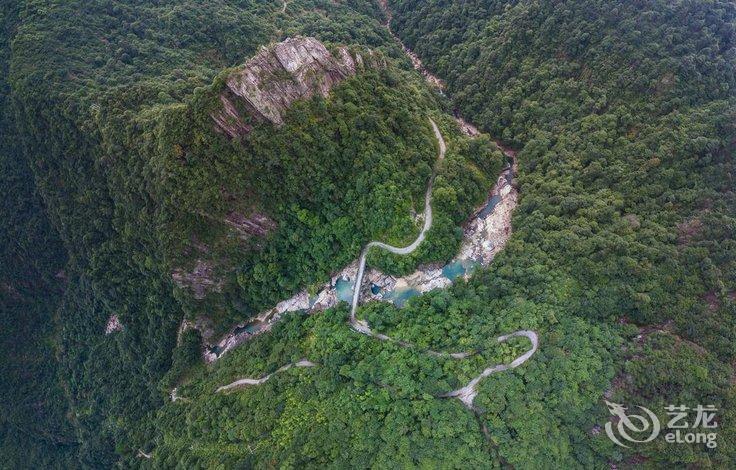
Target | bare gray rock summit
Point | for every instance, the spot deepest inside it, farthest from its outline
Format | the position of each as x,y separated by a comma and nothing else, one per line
267,84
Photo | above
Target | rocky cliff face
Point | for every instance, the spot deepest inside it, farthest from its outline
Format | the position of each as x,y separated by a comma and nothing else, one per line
266,85
200,280
255,225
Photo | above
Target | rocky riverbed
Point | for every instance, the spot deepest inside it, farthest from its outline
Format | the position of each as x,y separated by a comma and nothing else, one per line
484,235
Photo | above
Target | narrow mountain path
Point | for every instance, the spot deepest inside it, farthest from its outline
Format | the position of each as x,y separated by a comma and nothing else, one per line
468,393
245,382
409,248
465,394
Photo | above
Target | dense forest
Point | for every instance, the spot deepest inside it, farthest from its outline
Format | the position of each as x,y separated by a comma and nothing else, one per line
34,425
624,114
121,193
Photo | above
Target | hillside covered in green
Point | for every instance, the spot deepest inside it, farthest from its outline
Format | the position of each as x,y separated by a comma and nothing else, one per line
125,200
624,114
154,215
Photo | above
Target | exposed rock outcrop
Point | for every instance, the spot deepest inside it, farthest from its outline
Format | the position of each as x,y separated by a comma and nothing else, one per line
298,302
327,298
484,237
113,324
200,280
267,84
424,280
206,274
383,282
466,128
202,324
256,224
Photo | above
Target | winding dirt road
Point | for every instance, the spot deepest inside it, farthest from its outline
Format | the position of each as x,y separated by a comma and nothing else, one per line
465,394
245,382
468,393
409,248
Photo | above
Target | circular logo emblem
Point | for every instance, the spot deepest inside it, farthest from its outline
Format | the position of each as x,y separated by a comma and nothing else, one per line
629,424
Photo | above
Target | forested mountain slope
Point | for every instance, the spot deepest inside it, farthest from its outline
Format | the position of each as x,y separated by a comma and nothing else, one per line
34,423
624,113
147,186
118,114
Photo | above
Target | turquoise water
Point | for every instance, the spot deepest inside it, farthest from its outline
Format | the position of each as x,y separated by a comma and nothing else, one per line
492,203
453,270
344,290
494,200
456,269
470,265
250,328
400,296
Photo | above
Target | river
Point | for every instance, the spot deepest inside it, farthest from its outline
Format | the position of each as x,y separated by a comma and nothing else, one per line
484,235
465,394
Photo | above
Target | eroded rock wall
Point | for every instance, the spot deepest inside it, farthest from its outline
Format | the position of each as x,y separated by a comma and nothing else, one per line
267,84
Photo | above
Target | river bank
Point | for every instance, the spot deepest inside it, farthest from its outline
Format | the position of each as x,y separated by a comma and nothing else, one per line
484,235
419,280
